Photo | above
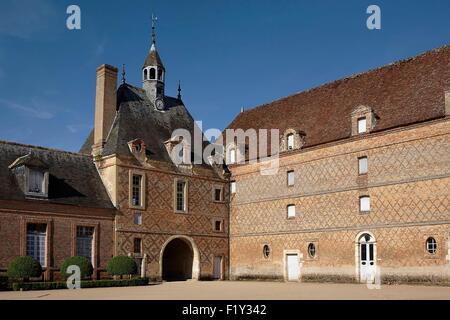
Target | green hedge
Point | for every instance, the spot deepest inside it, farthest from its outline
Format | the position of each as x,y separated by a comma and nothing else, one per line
26,286
85,265
121,265
24,268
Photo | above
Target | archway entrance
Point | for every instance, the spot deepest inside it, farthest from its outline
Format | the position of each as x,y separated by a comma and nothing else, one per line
179,260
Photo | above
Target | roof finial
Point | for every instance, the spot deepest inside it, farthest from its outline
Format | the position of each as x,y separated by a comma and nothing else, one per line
242,109
179,90
154,20
123,74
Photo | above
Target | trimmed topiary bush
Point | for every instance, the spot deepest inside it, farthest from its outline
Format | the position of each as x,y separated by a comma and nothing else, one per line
121,265
82,262
24,268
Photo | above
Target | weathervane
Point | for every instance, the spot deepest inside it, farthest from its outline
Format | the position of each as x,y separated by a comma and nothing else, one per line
123,74
154,20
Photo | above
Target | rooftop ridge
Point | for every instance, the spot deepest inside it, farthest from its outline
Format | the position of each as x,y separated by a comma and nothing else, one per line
42,148
350,77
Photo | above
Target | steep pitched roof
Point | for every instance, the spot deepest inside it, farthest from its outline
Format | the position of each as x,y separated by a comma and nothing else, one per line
73,178
401,93
153,58
137,118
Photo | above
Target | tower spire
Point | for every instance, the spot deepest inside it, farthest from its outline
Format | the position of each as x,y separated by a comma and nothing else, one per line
179,90
154,20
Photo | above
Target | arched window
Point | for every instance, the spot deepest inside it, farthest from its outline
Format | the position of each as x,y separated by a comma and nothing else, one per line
160,74
145,74
431,245
290,141
152,74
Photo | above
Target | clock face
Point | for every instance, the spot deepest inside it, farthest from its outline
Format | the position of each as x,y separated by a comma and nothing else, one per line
159,104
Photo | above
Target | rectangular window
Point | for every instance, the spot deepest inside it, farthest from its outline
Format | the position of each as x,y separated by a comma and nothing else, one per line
85,238
137,219
362,125
290,178
217,225
233,187
137,244
291,211
136,190
290,141
36,236
218,194
35,181
364,204
362,165
180,196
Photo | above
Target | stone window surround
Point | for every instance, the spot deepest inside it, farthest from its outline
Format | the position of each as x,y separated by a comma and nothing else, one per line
287,211
299,139
315,242
428,255
186,195
95,241
263,257
222,227
361,112
358,168
232,193
359,204
24,221
133,172
287,177
222,196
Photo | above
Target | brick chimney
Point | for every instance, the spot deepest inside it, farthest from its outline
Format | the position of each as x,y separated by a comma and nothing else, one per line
105,105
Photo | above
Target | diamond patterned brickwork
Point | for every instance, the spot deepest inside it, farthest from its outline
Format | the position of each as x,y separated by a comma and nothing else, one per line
159,221
408,182
416,202
418,159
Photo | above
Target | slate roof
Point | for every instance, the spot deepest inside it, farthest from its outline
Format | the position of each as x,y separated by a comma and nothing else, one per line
73,178
137,118
402,93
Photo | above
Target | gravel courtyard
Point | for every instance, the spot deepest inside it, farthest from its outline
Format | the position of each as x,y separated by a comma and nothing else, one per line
230,290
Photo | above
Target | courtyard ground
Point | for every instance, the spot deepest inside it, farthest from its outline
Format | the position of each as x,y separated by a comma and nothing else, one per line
231,290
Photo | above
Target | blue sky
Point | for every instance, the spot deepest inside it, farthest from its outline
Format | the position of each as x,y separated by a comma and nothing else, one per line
227,54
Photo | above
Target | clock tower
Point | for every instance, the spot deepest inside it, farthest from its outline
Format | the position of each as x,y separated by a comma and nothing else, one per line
153,73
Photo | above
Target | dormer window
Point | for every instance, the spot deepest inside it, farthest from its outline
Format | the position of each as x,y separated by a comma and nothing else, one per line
32,175
292,139
138,149
36,179
363,120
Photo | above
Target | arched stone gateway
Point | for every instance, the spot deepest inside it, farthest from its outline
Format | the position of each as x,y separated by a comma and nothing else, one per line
179,259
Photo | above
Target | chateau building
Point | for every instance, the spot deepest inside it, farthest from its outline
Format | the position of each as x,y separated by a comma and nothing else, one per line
363,183
362,188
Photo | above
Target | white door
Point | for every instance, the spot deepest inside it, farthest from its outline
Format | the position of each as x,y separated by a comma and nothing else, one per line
218,268
367,266
292,267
